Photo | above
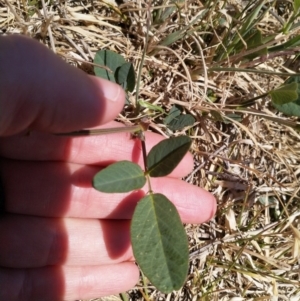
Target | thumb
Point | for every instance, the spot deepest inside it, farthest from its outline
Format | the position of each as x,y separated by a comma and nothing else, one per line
39,91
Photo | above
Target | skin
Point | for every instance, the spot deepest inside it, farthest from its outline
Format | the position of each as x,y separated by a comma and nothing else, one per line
60,239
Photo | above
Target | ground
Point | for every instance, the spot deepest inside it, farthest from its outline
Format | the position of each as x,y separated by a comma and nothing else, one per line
217,61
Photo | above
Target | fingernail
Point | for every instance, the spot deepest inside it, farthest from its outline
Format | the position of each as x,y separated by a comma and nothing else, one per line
111,91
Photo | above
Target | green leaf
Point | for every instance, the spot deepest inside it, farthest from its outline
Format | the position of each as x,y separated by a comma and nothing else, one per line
180,34
249,22
161,15
251,18
296,5
159,242
181,122
125,76
165,156
174,112
284,94
236,117
123,176
290,108
175,121
290,43
110,60
173,37
150,106
267,200
218,117
253,39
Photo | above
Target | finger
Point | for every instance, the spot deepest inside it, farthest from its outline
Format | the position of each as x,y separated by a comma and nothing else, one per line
57,189
40,91
31,242
96,150
66,283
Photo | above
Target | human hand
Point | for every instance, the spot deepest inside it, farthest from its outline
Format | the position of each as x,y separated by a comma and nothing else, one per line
61,239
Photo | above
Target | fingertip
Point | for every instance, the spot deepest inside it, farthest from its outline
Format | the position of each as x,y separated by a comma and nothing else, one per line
114,97
203,206
100,281
41,92
195,205
212,200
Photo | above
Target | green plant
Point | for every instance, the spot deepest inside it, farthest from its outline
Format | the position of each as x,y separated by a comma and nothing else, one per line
243,43
158,237
212,59
228,35
159,241
286,98
177,121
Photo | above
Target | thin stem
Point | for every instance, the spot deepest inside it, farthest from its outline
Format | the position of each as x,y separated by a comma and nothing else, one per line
144,152
149,184
249,102
126,129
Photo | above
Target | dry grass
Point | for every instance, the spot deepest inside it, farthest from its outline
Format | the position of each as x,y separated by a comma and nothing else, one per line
251,249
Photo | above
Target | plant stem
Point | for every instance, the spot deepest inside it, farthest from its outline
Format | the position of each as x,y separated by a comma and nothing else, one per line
251,101
126,129
144,152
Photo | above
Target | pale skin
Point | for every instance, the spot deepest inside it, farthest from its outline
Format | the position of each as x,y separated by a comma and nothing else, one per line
61,239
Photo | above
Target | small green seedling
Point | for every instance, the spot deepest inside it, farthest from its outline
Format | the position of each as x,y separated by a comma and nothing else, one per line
158,238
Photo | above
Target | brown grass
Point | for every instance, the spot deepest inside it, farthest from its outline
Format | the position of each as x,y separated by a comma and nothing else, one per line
251,249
